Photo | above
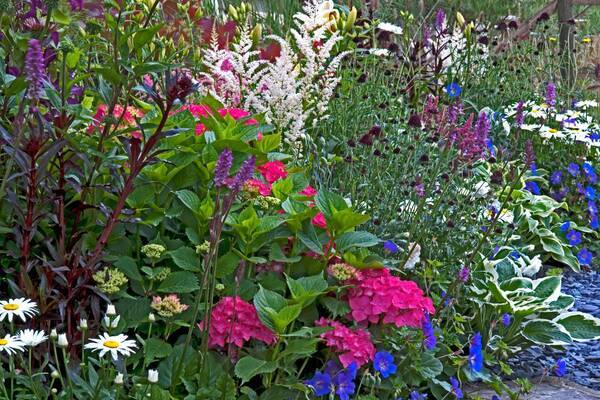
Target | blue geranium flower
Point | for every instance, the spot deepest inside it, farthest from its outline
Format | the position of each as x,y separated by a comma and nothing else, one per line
533,187
585,256
574,237
456,388
384,364
588,168
515,255
344,382
590,193
565,226
573,169
453,89
533,168
320,383
476,353
414,395
556,178
560,368
506,319
594,222
429,333
390,246
592,208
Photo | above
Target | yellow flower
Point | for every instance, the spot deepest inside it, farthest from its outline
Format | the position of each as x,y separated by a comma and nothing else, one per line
587,40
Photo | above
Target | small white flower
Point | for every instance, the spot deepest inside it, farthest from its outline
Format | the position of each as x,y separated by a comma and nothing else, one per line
53,334
116,345
32,338
152,376
11,344
83,324
111,310
534,266
62,340
20,307
386,26
415,256
151,317
111,323
380,52
119,379
55,374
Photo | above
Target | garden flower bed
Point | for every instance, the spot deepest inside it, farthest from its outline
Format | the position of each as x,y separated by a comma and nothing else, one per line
301,200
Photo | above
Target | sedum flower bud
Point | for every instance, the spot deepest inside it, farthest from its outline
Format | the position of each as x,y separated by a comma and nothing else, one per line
111,310
119,379
152,376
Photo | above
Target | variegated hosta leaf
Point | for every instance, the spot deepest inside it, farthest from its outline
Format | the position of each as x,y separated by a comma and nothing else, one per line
544,332
582,327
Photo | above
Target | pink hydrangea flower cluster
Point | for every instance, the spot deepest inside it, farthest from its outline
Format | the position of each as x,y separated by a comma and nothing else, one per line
272,171
201,110
378,295
235,321
353,345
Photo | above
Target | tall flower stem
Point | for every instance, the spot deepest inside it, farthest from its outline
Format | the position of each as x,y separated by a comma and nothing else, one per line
66,364
56,364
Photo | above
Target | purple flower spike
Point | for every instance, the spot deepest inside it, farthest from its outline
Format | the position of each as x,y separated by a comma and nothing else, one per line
551,94
464,274
34,69
440,19
245,172
520,117
223,167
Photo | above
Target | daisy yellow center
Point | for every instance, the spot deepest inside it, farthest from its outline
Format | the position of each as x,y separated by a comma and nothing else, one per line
3,342
10,307
112,344
552,130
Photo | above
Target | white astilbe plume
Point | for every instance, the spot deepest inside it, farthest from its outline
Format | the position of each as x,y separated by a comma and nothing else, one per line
294,91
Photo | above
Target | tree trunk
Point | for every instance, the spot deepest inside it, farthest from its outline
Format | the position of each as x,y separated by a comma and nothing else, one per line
567,25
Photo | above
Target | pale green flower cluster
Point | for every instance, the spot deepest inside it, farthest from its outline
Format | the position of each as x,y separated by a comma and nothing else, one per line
153,250
110,280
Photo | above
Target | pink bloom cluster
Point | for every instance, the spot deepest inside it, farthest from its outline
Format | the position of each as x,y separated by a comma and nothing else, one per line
377,293
272,171
201,110
235,321
126,116
353,345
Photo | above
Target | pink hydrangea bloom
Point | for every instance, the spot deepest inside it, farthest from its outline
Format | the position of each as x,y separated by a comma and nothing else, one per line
264,189
201,110
319,221
352,345
309,191
273,171
378,296
235,321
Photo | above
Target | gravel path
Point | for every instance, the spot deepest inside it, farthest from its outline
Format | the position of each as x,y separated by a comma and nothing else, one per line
550,389
583,359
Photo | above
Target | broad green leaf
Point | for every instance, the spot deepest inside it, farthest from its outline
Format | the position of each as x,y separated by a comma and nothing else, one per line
344,220
156,348
300,347
129,268
267,304
186,258
143,36
285,316
248,367
330,202
189,199
355,239
179,282
304,290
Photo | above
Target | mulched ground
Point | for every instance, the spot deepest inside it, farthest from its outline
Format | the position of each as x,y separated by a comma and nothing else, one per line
549,389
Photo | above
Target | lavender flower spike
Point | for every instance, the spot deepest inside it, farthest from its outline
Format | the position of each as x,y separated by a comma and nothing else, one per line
520,117
440,19
551,94
223,167
245,172
34,69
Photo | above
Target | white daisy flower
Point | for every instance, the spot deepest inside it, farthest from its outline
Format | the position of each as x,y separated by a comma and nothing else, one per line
551,133
11,344
586,104
20,307
32,338
118,344
386,26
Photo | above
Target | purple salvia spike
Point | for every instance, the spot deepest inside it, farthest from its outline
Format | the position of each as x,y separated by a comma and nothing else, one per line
223,167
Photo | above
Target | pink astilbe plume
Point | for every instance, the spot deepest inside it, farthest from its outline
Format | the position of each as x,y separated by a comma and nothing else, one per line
378,296
352,345
235,321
